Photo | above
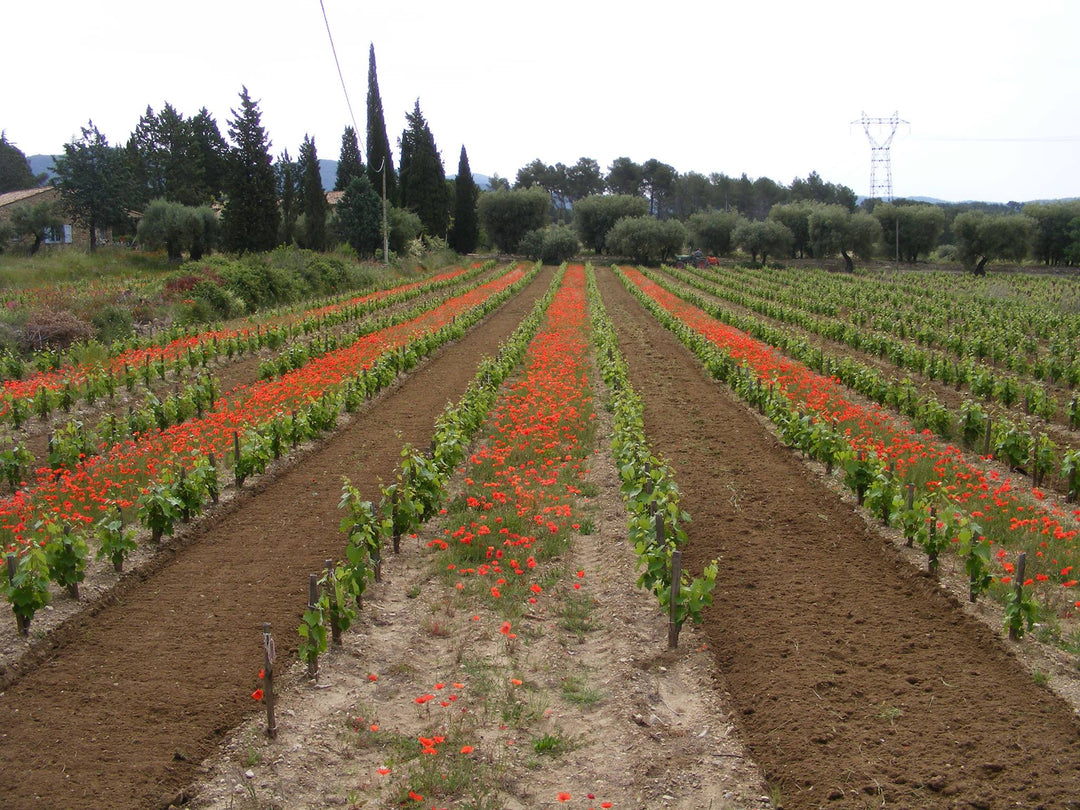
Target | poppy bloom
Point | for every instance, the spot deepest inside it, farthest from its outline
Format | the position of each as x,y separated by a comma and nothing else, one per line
257,694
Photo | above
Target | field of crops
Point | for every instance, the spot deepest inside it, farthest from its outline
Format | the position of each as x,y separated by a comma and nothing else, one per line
170,496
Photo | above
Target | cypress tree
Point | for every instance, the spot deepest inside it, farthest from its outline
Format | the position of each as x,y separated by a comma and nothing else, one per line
359,217
378,144
250,219
286,172
423,180
312,196
466,231
349,163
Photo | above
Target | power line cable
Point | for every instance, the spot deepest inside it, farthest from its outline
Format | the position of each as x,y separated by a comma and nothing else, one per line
341,76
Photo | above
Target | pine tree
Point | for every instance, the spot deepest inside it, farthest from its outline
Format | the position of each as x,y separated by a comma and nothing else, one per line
378,144
250,219
349,163
466,231
423,179
15,172
312,197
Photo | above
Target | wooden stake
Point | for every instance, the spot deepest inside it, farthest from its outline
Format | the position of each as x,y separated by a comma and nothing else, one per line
674,626
313,599
335,628
986,439
269,654
21,624
910,505
1021,563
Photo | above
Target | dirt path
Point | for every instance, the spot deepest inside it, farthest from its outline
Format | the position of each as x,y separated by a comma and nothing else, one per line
858,683
124,712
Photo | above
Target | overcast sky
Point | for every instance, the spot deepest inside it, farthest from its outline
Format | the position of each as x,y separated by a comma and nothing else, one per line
991,89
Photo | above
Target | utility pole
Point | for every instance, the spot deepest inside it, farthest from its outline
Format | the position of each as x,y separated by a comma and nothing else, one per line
385,233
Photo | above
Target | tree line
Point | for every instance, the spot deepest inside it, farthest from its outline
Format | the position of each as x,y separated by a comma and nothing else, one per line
192,191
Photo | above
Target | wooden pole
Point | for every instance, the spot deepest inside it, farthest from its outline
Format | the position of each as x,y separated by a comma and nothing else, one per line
335,627
22,625
986,438
269,654
910,505
313,599
674,626
1021,563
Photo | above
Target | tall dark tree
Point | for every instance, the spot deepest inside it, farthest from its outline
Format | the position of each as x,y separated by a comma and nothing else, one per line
349,164
423,179
213,152
287,174
15,171
312,197
466,231
250,219
251,216
94,180
379,158
358,217
167,160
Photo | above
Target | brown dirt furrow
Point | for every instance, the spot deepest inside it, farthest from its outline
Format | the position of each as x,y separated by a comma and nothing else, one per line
858,682
123,713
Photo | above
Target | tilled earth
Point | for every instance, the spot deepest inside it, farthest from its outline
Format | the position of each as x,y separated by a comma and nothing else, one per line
854,681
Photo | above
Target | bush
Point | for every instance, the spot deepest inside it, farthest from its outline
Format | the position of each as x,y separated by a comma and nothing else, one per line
112,323
646,240
553,245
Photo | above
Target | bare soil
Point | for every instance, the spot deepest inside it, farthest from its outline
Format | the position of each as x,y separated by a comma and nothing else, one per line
829,672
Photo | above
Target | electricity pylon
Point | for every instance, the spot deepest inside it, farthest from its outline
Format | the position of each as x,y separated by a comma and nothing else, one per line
879,152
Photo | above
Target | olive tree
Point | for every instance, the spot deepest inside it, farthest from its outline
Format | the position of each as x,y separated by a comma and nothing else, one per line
763,237
981,238
646,240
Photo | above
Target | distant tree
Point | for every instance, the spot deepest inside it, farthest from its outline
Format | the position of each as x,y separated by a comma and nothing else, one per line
423,179
349,163
251,217
597,214
379,158
1052,239
584,179
711,231
658,182
796,216
913,230
496,183
981,238
693,192
36,221
169,156
358,217
646,240
15,171
466,231
95,182
508,215
288,176
213,151
625,177
834,229
313,204
762,238
814,189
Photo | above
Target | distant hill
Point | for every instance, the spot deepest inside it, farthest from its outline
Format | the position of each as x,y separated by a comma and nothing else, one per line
43,164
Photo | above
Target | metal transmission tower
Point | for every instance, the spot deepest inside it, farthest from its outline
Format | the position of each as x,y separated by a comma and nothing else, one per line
875,128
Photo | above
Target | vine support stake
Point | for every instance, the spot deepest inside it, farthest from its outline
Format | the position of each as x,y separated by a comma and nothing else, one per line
1021,563
21,624
313,601
910,506
986,438
335,626
269,654
236,458
674,626
931,557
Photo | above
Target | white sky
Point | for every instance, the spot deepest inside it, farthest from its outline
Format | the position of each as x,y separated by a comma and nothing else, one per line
991,89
